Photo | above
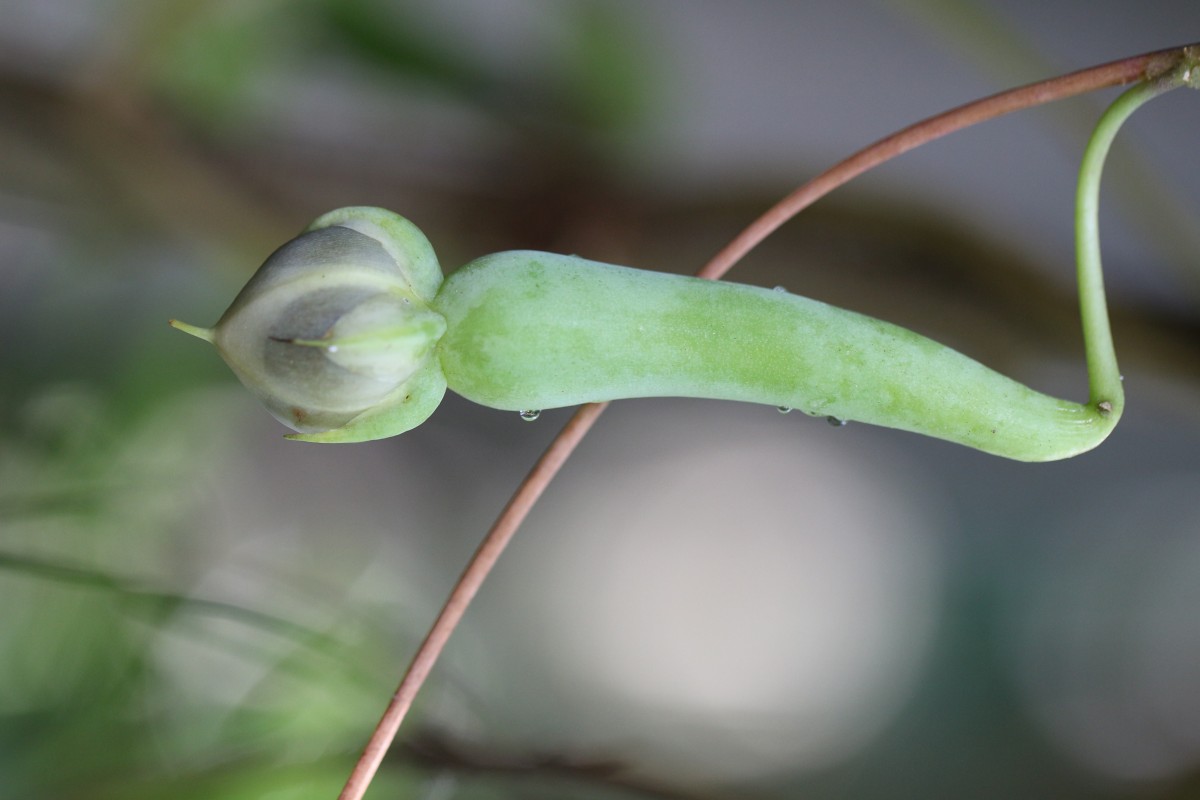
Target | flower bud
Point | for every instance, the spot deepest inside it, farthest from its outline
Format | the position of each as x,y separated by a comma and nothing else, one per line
334,333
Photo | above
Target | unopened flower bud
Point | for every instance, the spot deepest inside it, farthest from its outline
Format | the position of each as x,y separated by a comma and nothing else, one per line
334,334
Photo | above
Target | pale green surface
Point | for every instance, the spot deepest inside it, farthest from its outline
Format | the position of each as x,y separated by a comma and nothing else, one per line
537,330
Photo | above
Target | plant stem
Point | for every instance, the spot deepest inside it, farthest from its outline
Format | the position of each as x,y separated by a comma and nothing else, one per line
1144,67
468,584
1116,73
1104,378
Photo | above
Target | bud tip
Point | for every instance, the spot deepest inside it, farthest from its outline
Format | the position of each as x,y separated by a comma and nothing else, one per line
200,333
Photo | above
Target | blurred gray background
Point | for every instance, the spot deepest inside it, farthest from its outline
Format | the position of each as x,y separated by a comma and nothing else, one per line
714,600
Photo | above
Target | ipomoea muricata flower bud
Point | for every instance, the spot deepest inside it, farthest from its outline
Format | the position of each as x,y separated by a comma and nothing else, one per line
334,333
347,333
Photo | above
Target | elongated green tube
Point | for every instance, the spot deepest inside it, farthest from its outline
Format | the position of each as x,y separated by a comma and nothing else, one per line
531,330
349,333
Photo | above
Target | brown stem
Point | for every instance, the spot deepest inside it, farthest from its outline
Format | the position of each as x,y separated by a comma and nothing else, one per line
1115,73
472,578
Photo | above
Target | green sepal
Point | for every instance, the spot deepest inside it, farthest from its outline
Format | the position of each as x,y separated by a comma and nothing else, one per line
413,402
402,240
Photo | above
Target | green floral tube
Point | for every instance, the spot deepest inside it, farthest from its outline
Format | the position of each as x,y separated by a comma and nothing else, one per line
529,330
348,333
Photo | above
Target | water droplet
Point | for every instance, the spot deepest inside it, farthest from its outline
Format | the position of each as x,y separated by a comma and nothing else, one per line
331,349
1122,378
785,409
781,289
835,422
530,415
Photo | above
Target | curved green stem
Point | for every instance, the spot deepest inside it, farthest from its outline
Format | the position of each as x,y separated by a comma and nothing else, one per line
1104,377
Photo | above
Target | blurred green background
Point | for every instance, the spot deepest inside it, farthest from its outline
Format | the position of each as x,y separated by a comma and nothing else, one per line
714,601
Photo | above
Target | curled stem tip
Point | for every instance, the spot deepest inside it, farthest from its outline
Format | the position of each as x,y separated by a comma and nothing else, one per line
195,330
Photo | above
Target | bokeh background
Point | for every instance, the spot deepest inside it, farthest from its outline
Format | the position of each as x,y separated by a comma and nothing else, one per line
714,600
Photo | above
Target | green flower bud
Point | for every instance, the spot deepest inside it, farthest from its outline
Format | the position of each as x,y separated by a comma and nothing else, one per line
334,333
